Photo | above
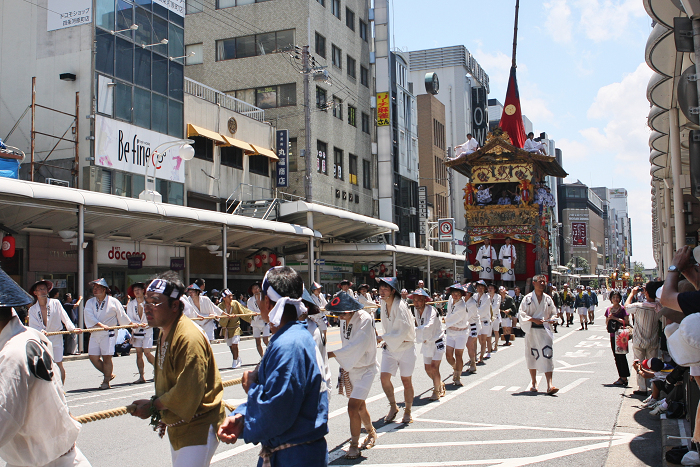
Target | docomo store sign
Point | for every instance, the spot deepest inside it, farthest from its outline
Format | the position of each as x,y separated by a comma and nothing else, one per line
122,146
118,253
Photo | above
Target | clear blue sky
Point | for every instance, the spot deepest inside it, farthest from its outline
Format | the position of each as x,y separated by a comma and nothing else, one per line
581,75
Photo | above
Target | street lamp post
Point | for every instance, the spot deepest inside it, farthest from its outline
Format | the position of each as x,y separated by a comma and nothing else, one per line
186,152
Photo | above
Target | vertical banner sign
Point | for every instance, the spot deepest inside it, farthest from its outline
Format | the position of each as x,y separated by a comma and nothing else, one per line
578,233
282,146
446,230
480,115
382,108
422,207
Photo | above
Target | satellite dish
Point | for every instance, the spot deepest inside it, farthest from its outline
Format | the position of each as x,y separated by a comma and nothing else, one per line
688,95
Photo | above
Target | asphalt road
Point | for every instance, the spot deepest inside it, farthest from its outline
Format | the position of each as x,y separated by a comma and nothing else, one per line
492,420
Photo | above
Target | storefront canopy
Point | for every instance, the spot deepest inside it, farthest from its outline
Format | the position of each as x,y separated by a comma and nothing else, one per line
382,252
38,207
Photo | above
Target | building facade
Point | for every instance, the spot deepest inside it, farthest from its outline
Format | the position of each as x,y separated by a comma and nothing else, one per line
582,231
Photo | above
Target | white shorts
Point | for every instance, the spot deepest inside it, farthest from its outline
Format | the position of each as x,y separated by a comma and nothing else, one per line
145,341
233,340
403,361
102,344
261,332
486,327
196,456
567,309
695,371
456,339
362,380
591,308
57,345
507,323
438,351
474,329
496,325
583,311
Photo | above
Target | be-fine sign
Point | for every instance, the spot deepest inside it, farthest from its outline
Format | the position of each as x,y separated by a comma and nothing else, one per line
446,230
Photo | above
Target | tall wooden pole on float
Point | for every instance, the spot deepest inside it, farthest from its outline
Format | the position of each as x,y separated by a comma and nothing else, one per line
515,32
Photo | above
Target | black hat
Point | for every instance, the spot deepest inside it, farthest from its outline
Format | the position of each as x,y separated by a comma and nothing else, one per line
344,303
364,286
11,294
47,283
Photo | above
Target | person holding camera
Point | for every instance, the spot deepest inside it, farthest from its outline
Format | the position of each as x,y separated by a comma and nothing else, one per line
615,317
646,327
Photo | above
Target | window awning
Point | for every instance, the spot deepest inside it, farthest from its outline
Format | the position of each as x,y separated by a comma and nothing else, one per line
238,143
193,130
265,152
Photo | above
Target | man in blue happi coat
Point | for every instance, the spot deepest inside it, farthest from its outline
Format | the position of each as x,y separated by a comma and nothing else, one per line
287,407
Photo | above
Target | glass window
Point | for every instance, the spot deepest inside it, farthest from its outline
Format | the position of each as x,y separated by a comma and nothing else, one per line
105,181
363,30
198,57
364,76
266,98
337,107
176,80
245,2
292,155
321,99
138,184
335,8
105,95
144,32
320,45
352,67
352,118
176,41
352,169
321,158
225,3
175,126
232,156
159,78
160,9
259,165
350,18
176,18
142,67
159,113
122,184
337,57
365,123
104,54
287,95
203,148
176,193
122,101
142,107
266,43
194,6
225,49
104,14
125,60
322,2
366,174
125,18
245,46
160,32
285,40
338,164
246,95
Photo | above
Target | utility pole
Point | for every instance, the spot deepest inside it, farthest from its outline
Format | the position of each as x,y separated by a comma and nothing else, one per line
31,166
307,123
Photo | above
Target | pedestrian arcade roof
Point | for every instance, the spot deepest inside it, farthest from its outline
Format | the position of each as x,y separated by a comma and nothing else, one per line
382,252
334,222
38,207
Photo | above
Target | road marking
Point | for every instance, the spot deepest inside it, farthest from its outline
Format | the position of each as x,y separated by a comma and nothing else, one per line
515,427
513,388
497,388
492,442
112,399
570,386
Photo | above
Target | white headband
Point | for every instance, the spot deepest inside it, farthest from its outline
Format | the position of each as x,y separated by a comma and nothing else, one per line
280,302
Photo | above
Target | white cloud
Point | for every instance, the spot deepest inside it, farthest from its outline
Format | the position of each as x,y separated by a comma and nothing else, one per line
615,151
607,19
536,110
558,23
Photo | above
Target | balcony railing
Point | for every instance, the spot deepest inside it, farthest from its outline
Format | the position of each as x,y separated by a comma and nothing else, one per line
197,89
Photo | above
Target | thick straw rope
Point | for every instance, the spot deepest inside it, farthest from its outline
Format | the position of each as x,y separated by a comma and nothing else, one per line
126,326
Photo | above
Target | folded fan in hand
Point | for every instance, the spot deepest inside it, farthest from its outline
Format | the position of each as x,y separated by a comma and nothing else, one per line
475,268
501,269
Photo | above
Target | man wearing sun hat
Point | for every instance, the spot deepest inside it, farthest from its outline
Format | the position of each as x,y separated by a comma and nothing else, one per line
48,315
143,336
399,354
231,323
456,331
345,286
36,427
358,360
432,338
103,311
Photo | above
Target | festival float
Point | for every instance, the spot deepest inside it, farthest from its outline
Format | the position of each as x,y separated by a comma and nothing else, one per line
506,195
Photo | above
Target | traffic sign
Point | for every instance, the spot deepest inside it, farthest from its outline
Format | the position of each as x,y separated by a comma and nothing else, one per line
446,230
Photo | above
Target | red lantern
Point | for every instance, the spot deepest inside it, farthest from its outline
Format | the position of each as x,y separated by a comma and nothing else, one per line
249,265
279,262
258,261
371,273
8,246
382,268
273,259
440,274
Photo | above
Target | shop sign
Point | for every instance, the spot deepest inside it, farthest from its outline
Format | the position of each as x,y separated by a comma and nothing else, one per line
422,207
282,147
233,266
578,233
126,147
135,261
118,253
382,109
61,14
176,6
177,264
59,284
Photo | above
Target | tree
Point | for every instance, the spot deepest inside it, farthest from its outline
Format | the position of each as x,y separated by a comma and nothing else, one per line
578,265
638,267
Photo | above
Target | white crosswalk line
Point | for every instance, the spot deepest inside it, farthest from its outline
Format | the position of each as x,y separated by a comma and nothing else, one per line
513,388
570,386
497,388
